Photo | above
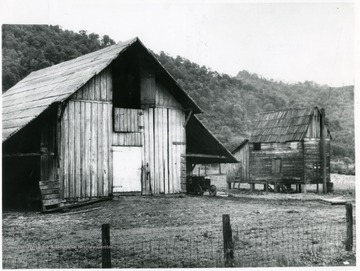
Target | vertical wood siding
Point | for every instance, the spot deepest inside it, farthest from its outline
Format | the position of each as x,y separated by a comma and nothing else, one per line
240,169
311,156
126,120
85,152
164,145
163,98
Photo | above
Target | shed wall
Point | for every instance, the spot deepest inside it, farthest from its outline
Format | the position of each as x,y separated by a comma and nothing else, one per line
241,169
312,156
262,161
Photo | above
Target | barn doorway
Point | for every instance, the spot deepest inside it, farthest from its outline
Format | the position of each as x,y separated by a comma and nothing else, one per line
20,183
126,169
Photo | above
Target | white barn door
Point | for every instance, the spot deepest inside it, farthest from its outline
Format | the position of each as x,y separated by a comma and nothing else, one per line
127,169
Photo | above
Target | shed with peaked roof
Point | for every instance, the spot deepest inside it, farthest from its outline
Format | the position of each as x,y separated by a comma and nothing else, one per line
285,148
112,121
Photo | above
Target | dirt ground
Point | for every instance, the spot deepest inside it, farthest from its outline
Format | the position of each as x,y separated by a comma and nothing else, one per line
152,217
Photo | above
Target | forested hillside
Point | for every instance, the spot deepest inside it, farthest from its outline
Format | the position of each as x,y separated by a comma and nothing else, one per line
231,104
28,48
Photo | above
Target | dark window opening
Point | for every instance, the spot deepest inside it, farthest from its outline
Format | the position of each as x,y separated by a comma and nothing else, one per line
126,90
276,165
257,146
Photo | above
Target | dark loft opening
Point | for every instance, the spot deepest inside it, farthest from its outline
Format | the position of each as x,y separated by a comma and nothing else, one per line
257,146
126,89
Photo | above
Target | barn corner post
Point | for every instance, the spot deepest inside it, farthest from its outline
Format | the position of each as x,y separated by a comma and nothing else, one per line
228,243
323,149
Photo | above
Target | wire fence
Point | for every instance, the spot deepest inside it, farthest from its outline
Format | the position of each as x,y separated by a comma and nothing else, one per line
292,245
310,244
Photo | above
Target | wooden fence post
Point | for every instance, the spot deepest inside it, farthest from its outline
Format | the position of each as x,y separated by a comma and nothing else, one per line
349,227
228,243
106,251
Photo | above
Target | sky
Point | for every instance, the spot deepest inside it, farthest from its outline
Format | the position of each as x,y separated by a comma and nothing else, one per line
292,42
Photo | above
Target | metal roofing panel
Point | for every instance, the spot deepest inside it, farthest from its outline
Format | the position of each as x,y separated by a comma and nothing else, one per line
281,126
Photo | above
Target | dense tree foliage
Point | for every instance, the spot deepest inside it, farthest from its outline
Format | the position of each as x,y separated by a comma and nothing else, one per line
28,48
230,104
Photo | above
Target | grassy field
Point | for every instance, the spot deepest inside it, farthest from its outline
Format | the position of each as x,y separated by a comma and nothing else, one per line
144,230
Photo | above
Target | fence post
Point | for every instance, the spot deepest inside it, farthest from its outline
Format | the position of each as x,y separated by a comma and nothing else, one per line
349,227
228,243
106,252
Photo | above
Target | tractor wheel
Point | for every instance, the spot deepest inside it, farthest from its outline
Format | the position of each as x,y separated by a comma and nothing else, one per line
212,190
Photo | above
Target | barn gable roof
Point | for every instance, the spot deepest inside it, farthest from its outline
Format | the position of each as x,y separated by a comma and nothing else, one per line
30,97
282,126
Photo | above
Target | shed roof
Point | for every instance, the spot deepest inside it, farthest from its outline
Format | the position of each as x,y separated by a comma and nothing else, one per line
202,147
282,126
30,97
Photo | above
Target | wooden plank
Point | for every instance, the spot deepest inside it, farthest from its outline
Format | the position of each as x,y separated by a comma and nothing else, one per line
165,150
66,152
103,85
50,191
100,150
105,156
72,173
110,185
151,149
87,149
170,152
91,91
109,85
48,202
82,149
50,196
94,140
77,129
97,92
49,183
146,145
161,151
158,160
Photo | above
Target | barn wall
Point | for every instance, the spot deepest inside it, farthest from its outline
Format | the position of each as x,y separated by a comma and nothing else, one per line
164,138
90,126
312,156
240,169
163,97
261,162
85,153
164,145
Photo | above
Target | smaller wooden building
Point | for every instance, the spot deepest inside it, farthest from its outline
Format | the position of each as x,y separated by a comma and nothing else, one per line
287,147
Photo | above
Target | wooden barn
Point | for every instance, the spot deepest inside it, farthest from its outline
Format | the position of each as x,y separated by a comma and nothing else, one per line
112,121
288,147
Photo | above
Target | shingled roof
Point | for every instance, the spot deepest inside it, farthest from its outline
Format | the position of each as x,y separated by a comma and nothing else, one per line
282,126
25,101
